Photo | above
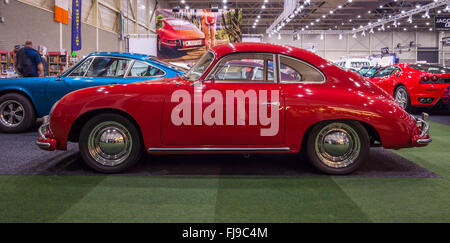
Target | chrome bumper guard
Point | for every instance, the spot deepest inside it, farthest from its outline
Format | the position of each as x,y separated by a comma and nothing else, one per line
43,129
424,126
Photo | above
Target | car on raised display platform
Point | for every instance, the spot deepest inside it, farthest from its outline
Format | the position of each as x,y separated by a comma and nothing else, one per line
414,85
22,100
179,34
332,115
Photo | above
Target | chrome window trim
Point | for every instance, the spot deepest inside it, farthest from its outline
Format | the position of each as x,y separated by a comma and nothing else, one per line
324,78
95,56
127,73
214,70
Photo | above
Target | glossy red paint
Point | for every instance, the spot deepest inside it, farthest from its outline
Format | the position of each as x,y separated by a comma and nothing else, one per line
344,95
410,78
180,34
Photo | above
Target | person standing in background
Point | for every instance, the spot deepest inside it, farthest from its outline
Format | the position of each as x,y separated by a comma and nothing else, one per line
209,28
29,62
43,53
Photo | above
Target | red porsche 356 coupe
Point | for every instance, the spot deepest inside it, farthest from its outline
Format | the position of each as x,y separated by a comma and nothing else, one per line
414,85
334,116
179,34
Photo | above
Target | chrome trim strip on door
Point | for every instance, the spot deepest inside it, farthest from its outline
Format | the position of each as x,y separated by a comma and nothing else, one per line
224,150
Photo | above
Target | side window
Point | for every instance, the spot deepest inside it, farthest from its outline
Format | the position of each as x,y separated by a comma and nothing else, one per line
81,70
294,70
108,67
245,67
396,70
383,72
141,69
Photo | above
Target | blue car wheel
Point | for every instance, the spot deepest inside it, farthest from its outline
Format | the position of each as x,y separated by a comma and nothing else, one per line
16,113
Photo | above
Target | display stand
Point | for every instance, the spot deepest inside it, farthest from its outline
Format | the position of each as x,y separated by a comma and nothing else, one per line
57,63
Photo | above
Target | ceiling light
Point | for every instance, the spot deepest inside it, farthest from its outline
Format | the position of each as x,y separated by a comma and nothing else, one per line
340,36
263,6
321,36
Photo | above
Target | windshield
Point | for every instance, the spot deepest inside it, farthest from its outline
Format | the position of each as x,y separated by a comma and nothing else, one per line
430,68
200,67
70,67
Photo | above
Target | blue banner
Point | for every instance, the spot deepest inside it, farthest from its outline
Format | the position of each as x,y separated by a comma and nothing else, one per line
76,25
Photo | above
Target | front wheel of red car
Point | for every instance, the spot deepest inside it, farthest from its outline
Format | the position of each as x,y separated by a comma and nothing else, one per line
110,143
338,147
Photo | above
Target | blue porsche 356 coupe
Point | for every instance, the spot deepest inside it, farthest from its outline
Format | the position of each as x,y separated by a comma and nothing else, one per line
22,100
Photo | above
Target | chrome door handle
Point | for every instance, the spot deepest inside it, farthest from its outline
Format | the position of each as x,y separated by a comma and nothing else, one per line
271,103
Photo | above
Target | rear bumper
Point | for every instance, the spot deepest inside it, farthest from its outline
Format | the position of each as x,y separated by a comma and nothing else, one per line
45,140
423,138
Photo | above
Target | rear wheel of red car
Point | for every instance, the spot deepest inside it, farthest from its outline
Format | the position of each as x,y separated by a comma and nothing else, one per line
16,113
110,143
401,95
338,147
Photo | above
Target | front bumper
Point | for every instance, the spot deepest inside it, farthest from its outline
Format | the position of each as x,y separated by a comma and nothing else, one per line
423,138
45,140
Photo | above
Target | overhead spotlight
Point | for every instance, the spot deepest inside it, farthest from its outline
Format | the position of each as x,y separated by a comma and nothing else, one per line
410,19
354,35
340,36
359,16
279,36
323,16
340,6
382,27
321,36
331,11
371,31
350,1
415,26
363,33
263,6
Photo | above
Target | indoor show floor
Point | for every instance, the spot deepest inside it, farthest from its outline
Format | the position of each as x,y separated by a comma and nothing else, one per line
410,185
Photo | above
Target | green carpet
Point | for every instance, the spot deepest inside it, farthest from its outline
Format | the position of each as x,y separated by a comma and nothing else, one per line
236,199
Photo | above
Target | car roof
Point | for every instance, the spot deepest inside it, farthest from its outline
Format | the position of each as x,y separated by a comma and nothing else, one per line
121,54
257,47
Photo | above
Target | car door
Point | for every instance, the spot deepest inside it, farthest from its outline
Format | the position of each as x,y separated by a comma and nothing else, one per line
93,71
239,105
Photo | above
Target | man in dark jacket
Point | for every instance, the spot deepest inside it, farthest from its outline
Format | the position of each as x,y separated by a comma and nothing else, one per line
29,62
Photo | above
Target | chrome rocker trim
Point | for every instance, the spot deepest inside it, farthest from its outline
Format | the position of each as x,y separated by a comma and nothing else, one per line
221,150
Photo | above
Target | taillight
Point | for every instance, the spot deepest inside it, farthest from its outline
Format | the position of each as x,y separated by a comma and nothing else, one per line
434,78
425,78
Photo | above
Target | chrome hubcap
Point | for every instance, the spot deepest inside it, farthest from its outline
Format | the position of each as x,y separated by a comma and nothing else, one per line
12,113
109,143
337,145
401,97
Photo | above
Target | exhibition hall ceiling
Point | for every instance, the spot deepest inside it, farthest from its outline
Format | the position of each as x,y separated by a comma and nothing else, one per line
346,14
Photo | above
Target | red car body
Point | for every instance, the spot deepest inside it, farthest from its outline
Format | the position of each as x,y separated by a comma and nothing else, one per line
179,34
342,96
424,88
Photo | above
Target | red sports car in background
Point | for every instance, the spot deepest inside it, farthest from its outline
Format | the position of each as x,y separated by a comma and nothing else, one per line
414,85
179,34
334,116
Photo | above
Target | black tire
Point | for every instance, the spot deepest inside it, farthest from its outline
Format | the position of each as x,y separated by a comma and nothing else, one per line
114,127
407,105
319,156
22,107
